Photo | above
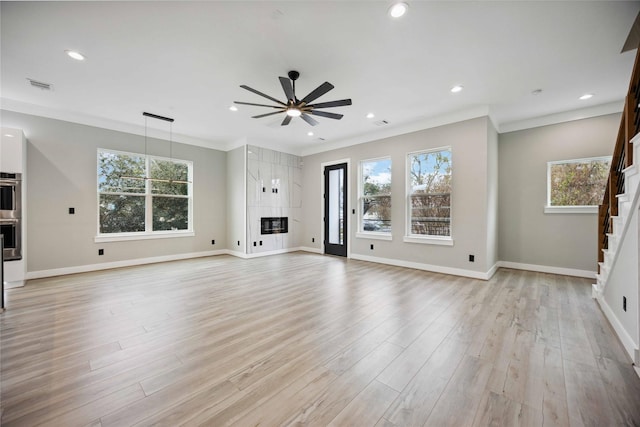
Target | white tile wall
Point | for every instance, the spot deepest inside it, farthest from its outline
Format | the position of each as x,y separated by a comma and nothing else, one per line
272,170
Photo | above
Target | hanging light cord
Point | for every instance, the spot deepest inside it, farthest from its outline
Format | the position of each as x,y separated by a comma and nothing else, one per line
166,119
145,137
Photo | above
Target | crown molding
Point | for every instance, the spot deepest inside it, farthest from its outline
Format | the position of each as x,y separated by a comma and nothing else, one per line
88,120
413,126
565,116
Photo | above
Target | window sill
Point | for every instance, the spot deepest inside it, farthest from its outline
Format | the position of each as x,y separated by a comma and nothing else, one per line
373,235
126,237
571,209
431,240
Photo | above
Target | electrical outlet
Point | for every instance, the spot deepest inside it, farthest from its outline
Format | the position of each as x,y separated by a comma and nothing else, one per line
353,211
238,242
372,246
213,242
100,251
260,242
72,211
472,258
255,244
313,240
624,303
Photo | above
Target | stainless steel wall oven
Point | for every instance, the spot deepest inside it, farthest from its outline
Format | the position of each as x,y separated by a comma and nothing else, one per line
11,214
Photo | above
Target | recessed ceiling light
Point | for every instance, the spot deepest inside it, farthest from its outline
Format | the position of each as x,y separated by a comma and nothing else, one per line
536,92
370,115
310,133
398,9
586,96
456,89
233,108
75,55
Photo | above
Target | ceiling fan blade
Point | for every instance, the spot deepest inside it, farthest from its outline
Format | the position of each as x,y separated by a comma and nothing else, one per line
257,105
257,92
288,89
286,120
268,114
307,118
326,114
317,92
339,103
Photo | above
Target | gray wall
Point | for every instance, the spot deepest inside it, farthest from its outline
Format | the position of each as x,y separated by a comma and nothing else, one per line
470,200
62,165
526,234
62,174
236,192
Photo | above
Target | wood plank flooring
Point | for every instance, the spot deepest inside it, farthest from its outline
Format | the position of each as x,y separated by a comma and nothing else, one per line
304,339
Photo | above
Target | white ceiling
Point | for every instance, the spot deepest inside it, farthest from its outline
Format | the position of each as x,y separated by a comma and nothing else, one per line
186,60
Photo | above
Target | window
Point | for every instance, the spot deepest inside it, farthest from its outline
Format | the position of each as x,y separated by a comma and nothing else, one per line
429,196
576,185
375,197
143,195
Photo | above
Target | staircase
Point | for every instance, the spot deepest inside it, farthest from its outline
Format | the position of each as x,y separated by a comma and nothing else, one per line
616,226
618,277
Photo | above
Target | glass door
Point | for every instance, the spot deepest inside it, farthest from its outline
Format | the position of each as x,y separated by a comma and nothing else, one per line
335,209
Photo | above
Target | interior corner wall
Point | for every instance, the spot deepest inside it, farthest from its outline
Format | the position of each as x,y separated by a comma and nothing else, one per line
62,168
526,234
468,142
492,195
236,199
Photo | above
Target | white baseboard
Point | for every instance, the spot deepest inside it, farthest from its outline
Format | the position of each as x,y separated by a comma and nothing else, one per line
141,261
493,270
118,264
548,269
236,253
312,250
427,267
399,263
14,284
261,254
627,342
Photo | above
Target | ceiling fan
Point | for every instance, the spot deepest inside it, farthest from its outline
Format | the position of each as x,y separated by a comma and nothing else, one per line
295,107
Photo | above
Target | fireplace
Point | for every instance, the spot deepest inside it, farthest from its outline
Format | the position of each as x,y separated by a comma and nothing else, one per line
274,225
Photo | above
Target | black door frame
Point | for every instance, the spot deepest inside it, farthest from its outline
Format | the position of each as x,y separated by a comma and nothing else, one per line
336,249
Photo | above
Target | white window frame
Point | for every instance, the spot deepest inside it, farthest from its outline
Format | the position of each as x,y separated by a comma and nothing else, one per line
361,233
148,233
588,209
422,238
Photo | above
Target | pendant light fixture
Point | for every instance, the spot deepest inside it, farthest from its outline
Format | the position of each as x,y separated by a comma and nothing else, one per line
166,119
170,120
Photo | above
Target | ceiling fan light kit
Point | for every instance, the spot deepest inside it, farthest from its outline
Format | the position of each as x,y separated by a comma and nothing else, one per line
398,9
293,112
295,107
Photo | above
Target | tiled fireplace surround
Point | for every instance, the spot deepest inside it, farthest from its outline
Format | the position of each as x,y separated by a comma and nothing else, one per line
274,189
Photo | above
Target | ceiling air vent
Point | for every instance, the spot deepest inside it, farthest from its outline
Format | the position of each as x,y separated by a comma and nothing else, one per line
40,85
381,123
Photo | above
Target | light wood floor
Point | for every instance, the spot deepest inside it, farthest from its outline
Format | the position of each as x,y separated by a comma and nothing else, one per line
304,339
